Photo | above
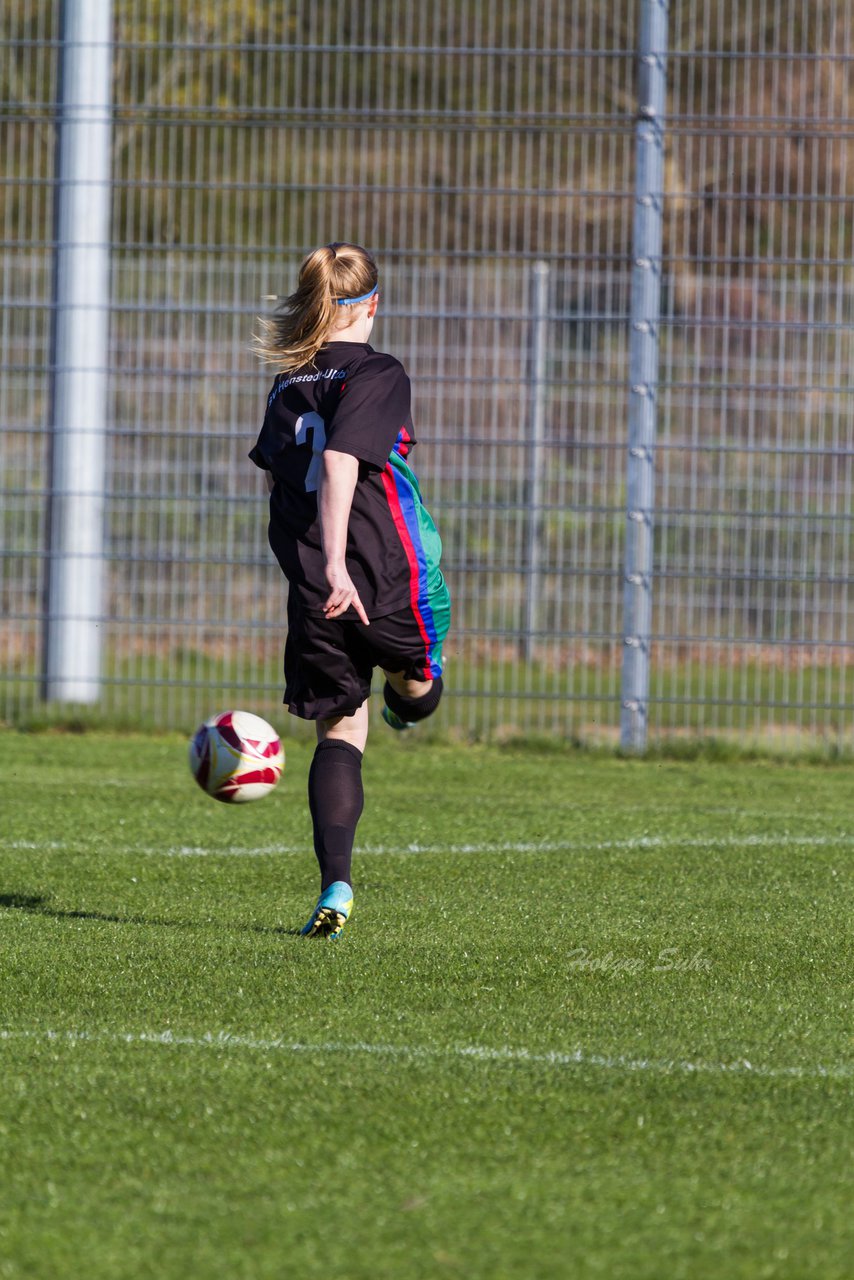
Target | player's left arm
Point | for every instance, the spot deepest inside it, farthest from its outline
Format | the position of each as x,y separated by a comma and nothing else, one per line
339,473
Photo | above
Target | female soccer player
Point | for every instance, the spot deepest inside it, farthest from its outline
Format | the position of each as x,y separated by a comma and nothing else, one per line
354,540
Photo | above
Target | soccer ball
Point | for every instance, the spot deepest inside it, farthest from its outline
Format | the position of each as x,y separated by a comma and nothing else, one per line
236,757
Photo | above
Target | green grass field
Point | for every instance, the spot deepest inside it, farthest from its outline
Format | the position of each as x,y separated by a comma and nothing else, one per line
591,1017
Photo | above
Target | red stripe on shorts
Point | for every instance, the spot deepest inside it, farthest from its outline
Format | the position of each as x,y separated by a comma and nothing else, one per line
411,557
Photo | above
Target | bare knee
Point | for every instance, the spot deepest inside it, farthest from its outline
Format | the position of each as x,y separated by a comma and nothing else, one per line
352,728
412,700
407,688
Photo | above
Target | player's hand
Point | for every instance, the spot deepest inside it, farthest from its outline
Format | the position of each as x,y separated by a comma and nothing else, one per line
342,594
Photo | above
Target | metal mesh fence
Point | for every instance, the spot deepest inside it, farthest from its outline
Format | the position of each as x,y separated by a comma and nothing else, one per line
486,153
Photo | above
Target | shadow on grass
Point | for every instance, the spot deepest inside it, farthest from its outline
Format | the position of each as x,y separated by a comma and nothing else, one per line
38,904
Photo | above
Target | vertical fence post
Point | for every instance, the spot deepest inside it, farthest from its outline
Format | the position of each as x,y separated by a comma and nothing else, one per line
535,434
643,373
72,662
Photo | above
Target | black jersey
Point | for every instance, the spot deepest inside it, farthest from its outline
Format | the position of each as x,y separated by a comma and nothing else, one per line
354,400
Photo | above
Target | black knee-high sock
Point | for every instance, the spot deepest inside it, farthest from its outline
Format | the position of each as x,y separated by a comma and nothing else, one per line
414,709
335,798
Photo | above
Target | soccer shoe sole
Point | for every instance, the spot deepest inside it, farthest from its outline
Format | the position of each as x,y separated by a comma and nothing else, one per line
326,923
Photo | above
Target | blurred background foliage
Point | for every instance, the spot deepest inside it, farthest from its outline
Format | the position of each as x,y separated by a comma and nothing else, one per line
253,79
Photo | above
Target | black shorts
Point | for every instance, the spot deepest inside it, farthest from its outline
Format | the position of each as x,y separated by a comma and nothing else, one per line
329,663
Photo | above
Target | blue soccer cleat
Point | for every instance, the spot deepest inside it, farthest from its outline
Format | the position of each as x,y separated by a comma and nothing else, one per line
394,720
331,913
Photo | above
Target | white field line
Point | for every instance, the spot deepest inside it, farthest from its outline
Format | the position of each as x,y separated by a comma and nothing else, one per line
226,1040
766,841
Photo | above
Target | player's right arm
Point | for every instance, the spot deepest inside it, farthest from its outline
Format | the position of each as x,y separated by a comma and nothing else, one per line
339,473
361,431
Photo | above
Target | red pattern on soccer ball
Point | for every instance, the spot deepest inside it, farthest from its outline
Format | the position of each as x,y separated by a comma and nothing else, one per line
202,747
231,788
232,767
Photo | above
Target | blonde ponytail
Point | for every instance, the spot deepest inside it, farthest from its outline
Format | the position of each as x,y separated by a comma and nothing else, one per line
329,277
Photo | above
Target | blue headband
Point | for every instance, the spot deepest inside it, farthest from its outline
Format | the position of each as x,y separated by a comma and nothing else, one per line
348,302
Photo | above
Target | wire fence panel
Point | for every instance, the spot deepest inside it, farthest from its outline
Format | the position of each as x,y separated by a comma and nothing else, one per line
486,153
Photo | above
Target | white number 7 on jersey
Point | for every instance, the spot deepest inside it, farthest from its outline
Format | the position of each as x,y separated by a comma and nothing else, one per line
314,423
